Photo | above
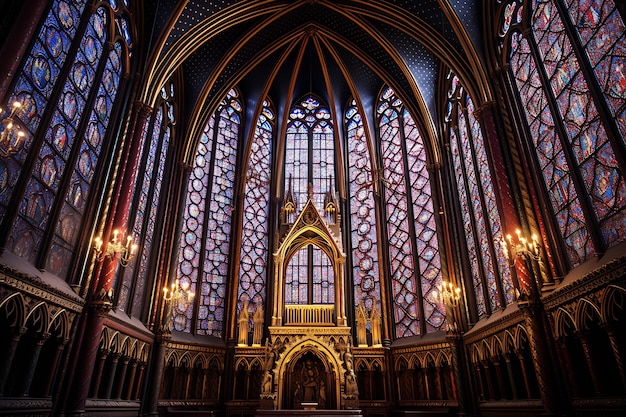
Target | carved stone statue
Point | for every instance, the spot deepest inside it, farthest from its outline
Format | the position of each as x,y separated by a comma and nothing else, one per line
361,324
267,383
375,318
244,317
310,382
348,361
352,389
257,335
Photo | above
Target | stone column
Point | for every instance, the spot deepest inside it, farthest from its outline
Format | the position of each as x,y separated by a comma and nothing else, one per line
131,381
512,381
115,357
6,361
496,364
157,365
29,371
541,355
99,298
97,375
617,352
456,342
121,377
593,371
492,394
53,366
522,363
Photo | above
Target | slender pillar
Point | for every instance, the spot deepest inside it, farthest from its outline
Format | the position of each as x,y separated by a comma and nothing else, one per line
156,371
53,366
568,366
139,380
130,381
496,365
522,362
99,299
97,375
108,388
439,382
481,381
541,357
121,377
455,339
6,361
593,371
489,379
511,374
29,371
617,352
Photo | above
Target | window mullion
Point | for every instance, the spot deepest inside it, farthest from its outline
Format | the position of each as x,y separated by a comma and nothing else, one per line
61,193
481,271
590,216
597,95
487,219
39,135
411,216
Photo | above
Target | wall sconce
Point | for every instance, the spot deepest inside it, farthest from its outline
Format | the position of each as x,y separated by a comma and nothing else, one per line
522,247
176,294
12,135
450,294
124,251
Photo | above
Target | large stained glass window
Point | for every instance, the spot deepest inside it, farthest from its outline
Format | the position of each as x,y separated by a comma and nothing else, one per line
365,272
255,232
576,134
309,167
310,151
49,198
130,291
482,227
207,221
414,261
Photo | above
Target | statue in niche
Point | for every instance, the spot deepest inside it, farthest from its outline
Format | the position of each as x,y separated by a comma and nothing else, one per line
244,317
348,361
361,325
309,379
271,354
257,335
267,383
352,390
309,383
375,319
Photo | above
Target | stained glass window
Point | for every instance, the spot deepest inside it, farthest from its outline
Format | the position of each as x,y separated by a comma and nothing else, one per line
34,85
365,272
480,217
414,261
583,177
131,288
206,231
55,193
310,151
255,233
310,285
309,160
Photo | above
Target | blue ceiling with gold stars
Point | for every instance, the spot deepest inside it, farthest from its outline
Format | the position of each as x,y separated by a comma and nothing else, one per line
337,49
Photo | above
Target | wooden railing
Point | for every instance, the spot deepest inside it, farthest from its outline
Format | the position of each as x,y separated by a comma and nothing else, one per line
310,314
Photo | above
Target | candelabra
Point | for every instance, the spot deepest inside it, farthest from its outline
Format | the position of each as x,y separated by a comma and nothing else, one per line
12,135
450,294
522,247
177,293
124,251
528,251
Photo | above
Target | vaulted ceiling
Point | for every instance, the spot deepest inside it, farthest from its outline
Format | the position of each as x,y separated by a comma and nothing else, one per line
335,49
